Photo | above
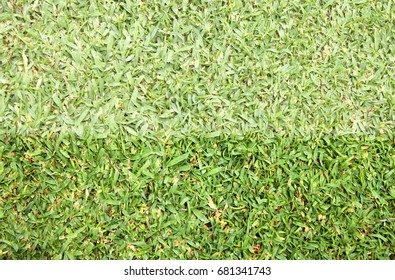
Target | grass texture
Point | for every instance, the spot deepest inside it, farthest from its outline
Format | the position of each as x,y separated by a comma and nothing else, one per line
197,129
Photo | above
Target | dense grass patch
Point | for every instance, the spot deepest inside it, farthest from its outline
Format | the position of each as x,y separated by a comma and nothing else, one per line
224,197
197,129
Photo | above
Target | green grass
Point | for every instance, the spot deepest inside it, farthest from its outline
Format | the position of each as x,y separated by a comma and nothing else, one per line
197,130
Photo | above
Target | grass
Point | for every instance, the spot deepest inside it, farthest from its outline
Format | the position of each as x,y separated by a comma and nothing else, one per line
197,130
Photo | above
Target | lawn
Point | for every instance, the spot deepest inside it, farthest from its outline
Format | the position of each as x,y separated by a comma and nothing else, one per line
197,129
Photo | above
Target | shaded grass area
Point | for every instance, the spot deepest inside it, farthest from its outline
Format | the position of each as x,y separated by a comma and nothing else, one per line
224,197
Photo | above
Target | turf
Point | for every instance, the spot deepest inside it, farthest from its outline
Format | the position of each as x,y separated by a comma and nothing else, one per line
197,130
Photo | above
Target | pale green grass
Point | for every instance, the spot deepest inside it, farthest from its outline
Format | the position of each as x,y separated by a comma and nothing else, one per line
295,67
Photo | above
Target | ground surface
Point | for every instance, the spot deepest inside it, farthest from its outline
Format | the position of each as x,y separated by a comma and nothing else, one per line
197,130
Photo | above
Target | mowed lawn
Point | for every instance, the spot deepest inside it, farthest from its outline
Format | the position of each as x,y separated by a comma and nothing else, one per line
197,129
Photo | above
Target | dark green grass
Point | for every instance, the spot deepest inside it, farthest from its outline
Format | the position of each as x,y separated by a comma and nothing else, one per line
226,197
